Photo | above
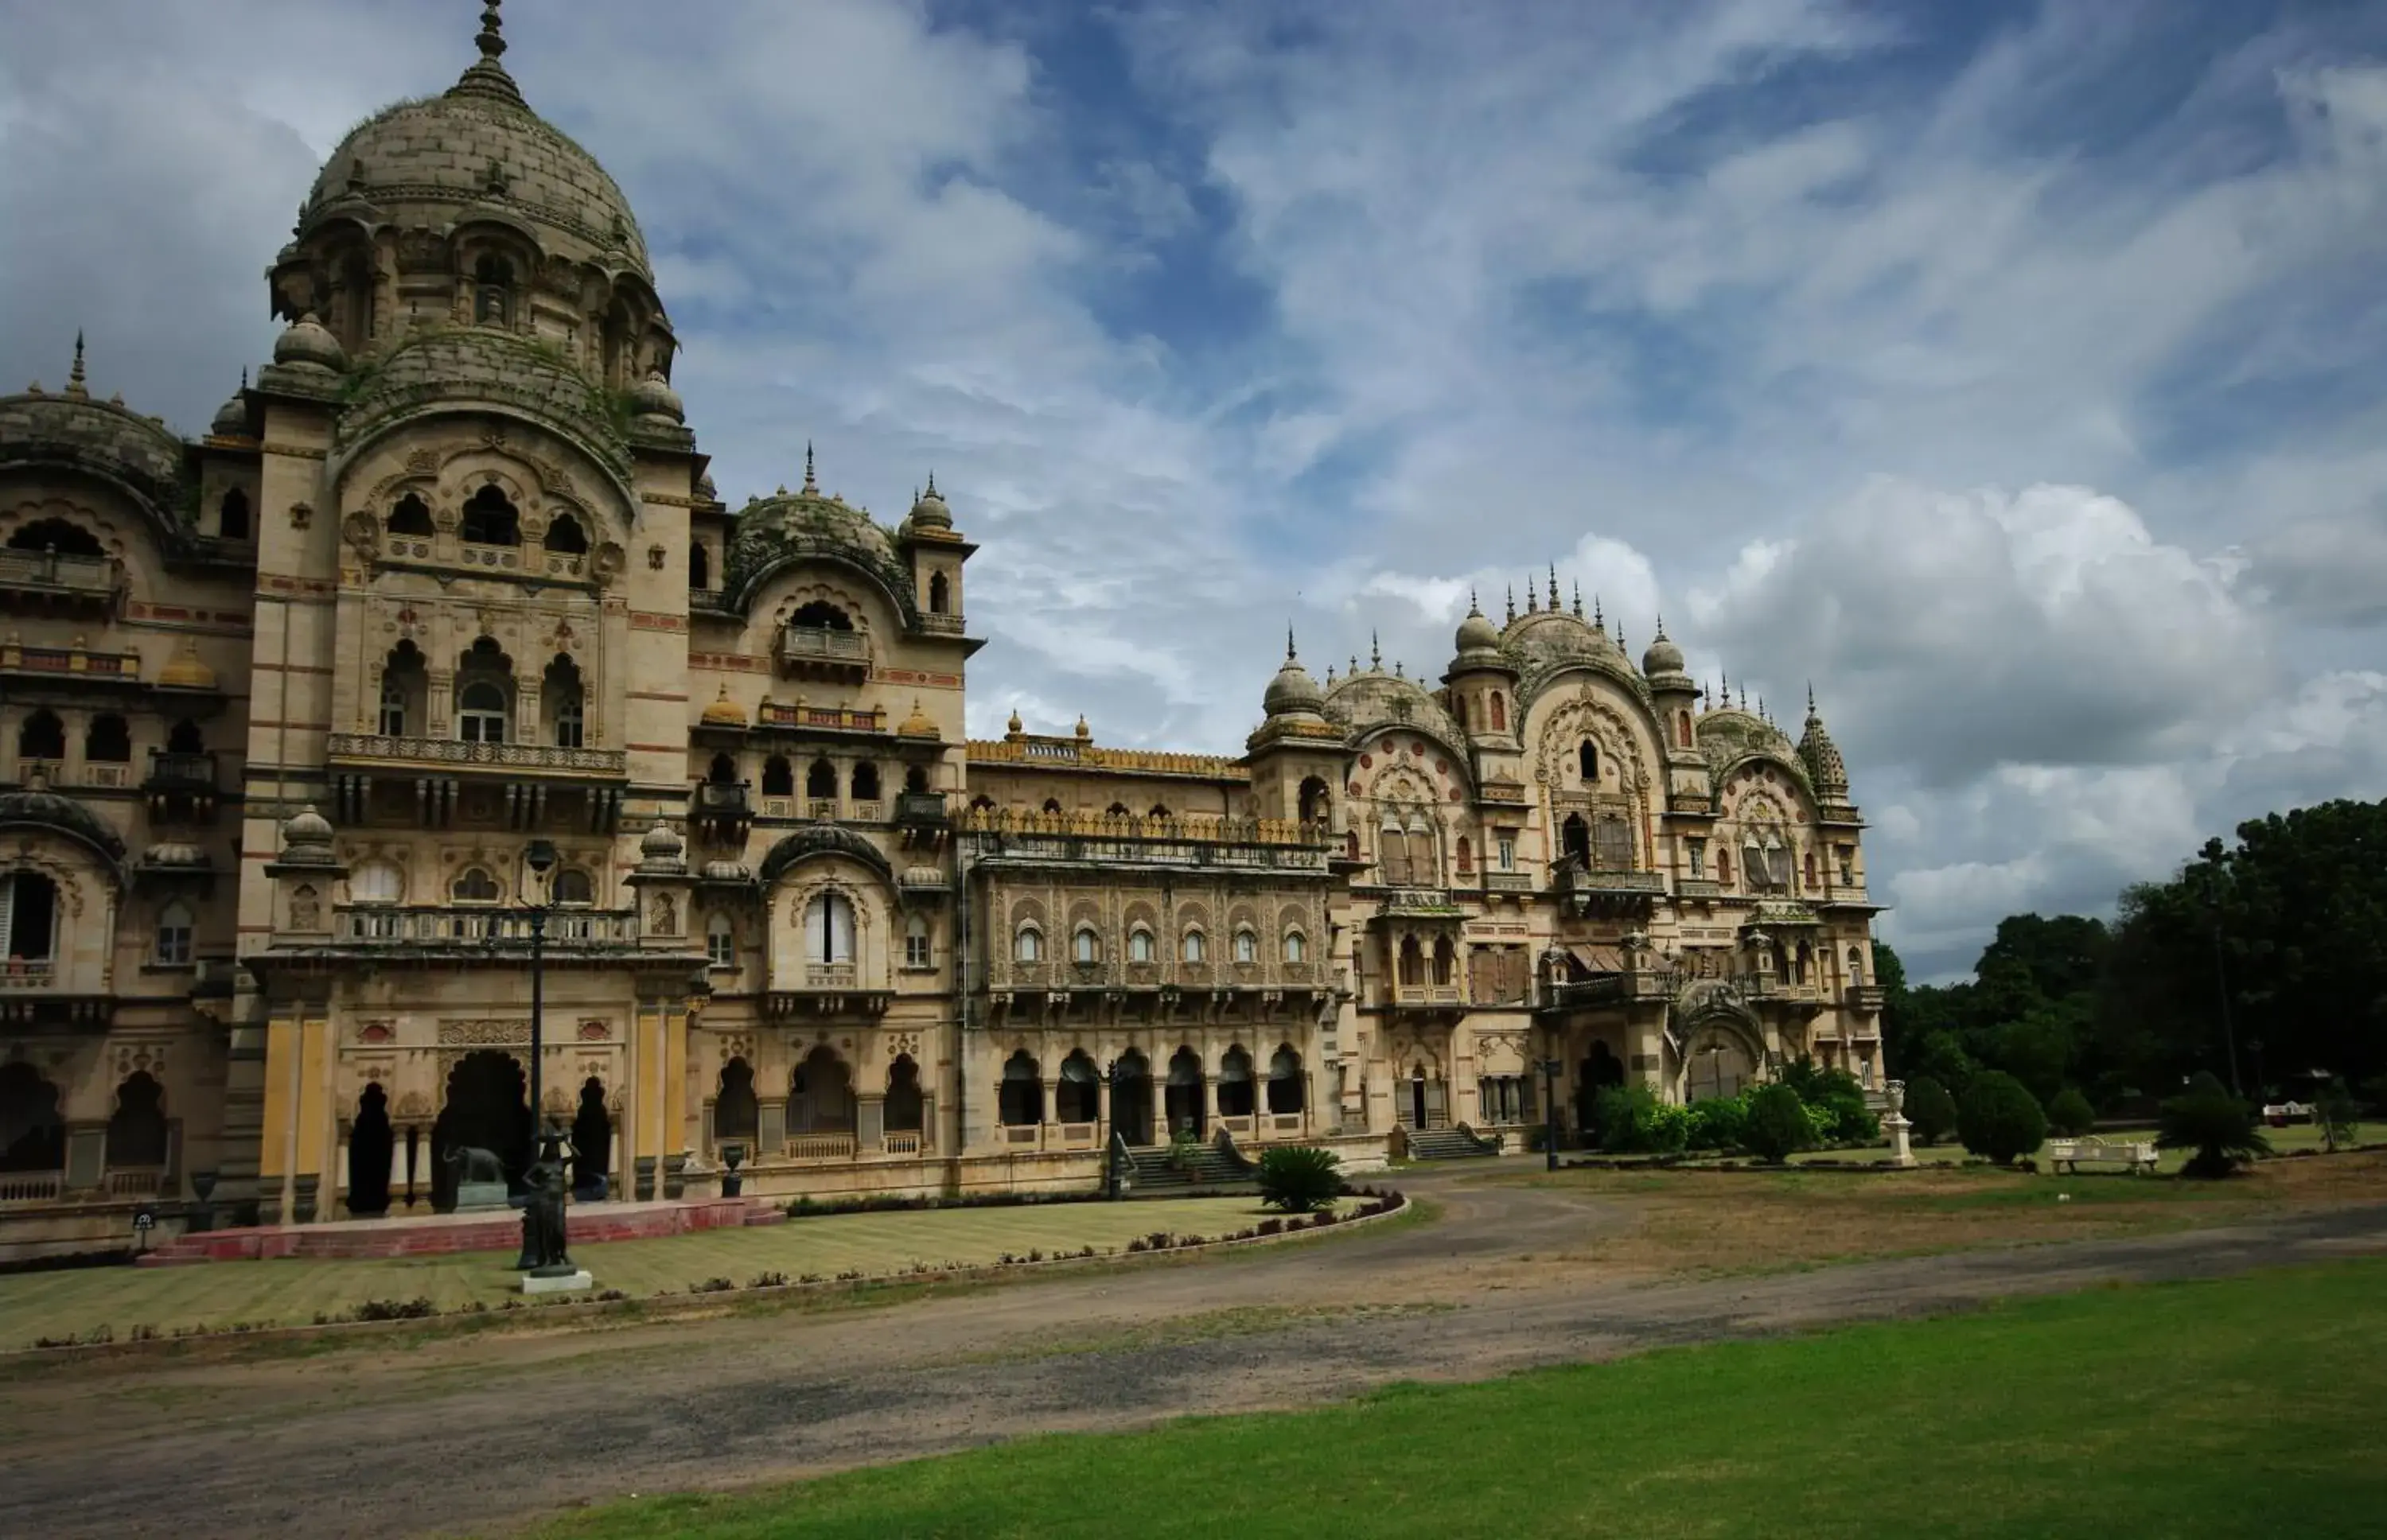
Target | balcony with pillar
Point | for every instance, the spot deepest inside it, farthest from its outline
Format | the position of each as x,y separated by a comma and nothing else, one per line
823,652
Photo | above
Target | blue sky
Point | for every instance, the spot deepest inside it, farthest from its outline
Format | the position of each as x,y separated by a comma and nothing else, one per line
2014,373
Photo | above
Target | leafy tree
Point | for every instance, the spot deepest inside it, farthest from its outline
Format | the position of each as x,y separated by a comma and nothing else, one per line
2339,1114
1998,1120
1777,1124
2218,1126
1930,1109
2070,1112
1717,1123
1633,1121
1299,1178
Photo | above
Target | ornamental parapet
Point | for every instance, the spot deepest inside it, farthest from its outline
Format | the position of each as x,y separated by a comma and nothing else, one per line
34,579
1109,826
452,928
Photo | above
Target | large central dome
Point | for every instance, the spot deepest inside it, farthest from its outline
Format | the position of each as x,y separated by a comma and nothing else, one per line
479,147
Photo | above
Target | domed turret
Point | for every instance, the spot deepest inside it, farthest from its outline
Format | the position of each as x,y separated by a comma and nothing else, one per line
306,345
1477,634
307,838
1293,690
1822,756
928,510
231,418
653,397
724,712
917,725
185,671
1663,656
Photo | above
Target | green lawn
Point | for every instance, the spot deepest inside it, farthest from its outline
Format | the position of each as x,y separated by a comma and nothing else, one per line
2247,1406
294,1293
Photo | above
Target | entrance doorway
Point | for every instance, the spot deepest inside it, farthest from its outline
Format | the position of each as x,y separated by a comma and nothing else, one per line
592,1139
1131,1099
1185,1094
371,1146
487,1108
1417,1108
1600,1070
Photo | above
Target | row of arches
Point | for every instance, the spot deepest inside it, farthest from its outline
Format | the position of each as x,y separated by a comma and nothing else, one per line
1143,946
487,518
380,883
33,1130
864,782
820,1098
1020,1095
488,696
106,739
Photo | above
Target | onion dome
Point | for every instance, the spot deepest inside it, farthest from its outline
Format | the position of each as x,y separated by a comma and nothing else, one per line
1822,756
724,712
653,397
917,725
1476,633
705,489
308,345
1293,690
661,849
1663,661
928,510
185,671
1085,734
231,418
1011,728
723,869
307,837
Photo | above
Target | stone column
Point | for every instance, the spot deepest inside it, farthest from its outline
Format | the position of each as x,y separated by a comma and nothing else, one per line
869,1123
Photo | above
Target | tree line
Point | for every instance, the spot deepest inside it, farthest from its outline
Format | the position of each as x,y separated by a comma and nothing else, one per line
2261,963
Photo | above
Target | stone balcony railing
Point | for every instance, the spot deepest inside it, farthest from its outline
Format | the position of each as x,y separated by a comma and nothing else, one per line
376,749
840,719
28,973
80,664
464,926
941,626
52,574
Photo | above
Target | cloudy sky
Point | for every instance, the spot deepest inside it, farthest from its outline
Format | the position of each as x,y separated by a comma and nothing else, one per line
2014,373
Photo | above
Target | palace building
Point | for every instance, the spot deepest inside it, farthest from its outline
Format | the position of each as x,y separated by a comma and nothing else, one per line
439,647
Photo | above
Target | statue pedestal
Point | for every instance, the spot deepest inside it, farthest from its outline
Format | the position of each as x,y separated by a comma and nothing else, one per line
1895,1125
473,1196
558,1283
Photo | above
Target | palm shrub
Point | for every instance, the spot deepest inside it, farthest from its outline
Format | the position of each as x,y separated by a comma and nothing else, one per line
1717,1123
2218,1126
1299,1178
1930,1109
2070,1112
2339,1114
1777,1124
1633,1121
1998,1118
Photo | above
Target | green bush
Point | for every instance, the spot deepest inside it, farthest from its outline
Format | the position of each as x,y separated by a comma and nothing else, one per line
1717,1123
1998,1118
2339,1114
1838,1094
2070,1112
1633,1121
1778,1124
1930,1109
1299,1178
2218,1126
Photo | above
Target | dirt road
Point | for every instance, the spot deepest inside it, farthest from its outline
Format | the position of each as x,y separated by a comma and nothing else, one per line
481,1435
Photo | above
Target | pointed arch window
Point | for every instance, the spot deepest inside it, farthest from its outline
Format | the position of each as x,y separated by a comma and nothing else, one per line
1195,947
1028,944
865,782
820,781
1586,761
173,949
778,777
915,942
1296,947
1247,946
481,712
700,568
1085,946
232,515
940,594
828,928
1499,713
107,740
493,279
411,517
473,886
720,941
43,737
1138,945
490,520
1463,857
565,537
574,886
566,702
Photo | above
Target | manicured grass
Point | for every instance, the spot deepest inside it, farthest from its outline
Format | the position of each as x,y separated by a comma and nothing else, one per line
2228,1408
294,1293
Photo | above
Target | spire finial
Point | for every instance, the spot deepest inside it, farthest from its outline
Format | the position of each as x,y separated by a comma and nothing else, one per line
1472,608
1743,695
1533,596
74,377
491,40
1723,684
1578,599
1598,616
1662,626
1761,709
932,483
1375,654
1811,700
1288,642
243,377
1554,586
810,485
1398,666
1512,604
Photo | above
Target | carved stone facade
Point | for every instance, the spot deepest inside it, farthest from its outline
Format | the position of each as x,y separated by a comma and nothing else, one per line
292,801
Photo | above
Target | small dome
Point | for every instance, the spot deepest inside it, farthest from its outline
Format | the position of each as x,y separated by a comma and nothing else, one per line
186,672
306,345
724,870
1012,726
704,487
917,725
724,712
1293,690
1085,734
930,510
231,418
661,843
305,829
653,397
1663,656
174,853
1476,633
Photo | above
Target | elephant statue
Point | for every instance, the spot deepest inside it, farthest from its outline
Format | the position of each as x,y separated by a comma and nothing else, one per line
473,1166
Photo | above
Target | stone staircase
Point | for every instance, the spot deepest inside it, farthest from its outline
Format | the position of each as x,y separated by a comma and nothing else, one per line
1215,1167
1452,1143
